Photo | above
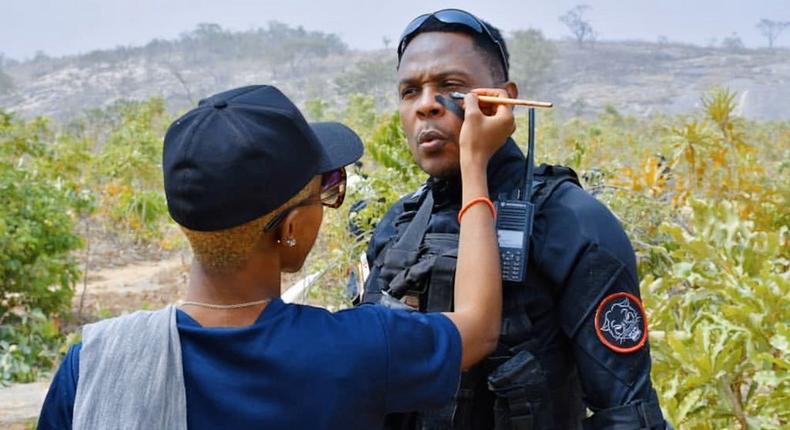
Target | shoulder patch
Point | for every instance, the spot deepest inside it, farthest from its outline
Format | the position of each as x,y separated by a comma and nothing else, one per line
621,323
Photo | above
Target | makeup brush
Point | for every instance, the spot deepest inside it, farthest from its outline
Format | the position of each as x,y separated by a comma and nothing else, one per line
504,100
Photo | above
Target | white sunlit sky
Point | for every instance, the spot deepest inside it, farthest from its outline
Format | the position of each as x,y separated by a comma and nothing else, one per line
66,27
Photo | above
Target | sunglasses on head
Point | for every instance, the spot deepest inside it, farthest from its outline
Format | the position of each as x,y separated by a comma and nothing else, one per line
332,194
451,16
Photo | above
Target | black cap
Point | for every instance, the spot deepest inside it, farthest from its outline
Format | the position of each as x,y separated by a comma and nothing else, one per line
243,153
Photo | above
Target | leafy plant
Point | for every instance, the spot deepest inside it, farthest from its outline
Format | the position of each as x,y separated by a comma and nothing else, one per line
37,271
720,321
36,224
29,346
129,166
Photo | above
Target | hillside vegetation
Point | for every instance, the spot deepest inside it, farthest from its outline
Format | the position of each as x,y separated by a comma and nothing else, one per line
637,78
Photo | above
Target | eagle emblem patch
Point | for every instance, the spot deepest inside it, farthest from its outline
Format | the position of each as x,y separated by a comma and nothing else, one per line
620,323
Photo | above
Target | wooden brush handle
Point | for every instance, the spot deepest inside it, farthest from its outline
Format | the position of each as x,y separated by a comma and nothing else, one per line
519,102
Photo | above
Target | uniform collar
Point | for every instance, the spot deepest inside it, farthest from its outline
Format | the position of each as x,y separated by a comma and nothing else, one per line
505,171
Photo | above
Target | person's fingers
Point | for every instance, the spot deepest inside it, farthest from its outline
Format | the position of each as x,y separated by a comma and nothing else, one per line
471,104
496,112
502,109
507,116
490,109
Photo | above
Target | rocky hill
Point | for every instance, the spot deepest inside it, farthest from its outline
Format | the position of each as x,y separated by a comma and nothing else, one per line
643,78
638,78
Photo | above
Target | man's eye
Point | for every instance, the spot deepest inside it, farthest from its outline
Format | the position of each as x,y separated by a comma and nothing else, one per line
452,84
406,92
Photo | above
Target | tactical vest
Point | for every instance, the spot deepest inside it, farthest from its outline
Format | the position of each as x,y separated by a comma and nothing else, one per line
509,389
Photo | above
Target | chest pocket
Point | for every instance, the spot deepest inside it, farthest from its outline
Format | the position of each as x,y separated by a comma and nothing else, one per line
433,262
443,249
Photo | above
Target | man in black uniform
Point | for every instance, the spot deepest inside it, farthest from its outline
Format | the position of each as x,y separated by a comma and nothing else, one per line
574,332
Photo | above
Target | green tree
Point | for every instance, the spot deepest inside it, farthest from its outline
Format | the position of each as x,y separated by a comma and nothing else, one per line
360,114
373,77
36,222
296,47
37,238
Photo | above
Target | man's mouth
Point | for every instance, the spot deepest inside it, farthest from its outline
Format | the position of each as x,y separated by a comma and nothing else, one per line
431,140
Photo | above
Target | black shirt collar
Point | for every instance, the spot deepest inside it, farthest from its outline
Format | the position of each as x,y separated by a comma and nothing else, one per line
505,172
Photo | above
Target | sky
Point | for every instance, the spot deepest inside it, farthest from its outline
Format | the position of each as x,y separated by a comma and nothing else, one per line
66,27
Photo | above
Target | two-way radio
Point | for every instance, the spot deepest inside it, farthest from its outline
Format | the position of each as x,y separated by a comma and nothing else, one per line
514,215
514,220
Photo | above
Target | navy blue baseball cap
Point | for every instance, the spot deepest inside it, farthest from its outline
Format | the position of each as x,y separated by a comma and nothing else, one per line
243,153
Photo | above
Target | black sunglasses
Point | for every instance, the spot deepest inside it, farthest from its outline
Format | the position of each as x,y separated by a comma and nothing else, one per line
333,192
451,16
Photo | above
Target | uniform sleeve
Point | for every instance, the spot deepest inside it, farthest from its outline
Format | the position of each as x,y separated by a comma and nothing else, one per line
58,408
586,252
423,359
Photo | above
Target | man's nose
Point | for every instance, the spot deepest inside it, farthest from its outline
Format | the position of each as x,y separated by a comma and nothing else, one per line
428,106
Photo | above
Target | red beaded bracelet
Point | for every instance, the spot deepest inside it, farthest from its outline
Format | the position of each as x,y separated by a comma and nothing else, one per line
473,202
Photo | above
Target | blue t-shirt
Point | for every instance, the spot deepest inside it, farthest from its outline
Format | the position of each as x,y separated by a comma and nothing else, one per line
301,367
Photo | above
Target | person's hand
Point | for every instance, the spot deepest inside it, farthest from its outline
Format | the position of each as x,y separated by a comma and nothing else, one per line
485,128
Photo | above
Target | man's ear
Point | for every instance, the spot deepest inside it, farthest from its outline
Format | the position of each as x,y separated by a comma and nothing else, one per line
512,89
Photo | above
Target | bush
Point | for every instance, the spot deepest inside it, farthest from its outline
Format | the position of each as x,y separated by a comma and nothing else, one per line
37,272
129,172
36,236
29,345
719,318
36,223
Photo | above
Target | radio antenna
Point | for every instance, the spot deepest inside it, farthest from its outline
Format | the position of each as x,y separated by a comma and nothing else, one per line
530,163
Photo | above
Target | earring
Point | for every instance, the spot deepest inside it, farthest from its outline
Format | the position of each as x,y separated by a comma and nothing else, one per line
290,242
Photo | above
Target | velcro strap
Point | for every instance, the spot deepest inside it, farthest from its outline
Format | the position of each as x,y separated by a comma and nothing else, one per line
639,415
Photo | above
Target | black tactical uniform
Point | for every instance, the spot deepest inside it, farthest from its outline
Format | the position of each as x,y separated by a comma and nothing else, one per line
573,334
